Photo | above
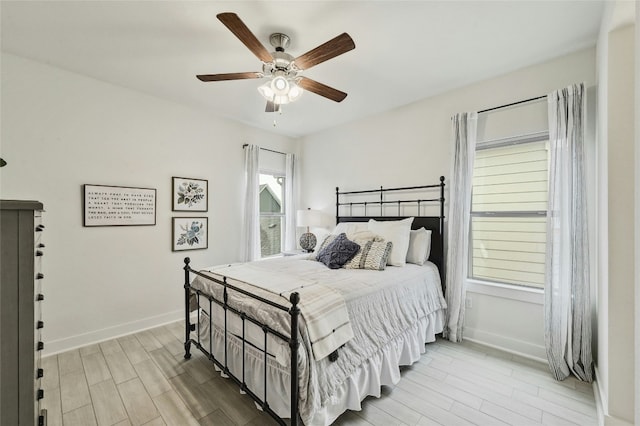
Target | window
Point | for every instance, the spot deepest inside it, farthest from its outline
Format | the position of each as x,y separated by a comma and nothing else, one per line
271,213
508,211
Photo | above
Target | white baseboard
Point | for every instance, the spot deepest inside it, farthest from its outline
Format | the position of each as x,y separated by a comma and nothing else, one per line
53,347
507,344
602,405
615,421
600,396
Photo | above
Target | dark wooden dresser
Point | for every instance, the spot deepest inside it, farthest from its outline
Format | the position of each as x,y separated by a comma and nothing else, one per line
21,322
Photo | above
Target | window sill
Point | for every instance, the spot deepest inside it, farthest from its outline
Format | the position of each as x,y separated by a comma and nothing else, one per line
506,291
271,256
293,252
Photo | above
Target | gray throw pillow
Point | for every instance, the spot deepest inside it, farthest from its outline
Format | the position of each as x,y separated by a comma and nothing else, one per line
338,252
372,255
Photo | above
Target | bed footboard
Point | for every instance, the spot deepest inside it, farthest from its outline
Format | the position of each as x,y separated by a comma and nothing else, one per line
222,364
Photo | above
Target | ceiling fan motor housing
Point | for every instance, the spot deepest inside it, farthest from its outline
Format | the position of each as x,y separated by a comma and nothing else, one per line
282,64
280,41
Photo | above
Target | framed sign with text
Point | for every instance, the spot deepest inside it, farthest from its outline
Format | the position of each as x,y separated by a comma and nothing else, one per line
105,205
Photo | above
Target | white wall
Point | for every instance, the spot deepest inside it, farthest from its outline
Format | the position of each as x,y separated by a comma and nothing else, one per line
616,217
621,222
61,130
602,250
637,222
411,146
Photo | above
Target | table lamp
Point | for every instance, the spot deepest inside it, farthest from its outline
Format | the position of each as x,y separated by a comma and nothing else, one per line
308,218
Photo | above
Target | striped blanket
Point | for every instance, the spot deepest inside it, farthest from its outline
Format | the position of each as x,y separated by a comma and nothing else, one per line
323,308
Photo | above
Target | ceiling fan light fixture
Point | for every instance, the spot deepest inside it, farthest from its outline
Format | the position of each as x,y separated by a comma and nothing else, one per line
295,91
280,85
280,90
266,91
281,99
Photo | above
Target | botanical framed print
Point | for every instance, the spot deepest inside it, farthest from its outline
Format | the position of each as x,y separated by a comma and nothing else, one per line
189,233
190,195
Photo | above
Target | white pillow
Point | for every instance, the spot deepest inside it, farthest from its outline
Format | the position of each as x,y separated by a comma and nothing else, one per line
350,228
398,232
419,246
321,234
364,236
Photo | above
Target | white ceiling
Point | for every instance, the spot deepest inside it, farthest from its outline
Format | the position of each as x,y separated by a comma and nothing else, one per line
405,50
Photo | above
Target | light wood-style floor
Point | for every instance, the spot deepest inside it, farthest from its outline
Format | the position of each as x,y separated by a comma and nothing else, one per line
143,379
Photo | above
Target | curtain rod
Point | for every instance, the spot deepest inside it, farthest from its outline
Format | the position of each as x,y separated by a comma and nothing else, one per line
512,104
265,149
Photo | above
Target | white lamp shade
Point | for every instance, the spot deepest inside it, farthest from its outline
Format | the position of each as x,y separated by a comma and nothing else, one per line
295,92
266,91
309,218
280,85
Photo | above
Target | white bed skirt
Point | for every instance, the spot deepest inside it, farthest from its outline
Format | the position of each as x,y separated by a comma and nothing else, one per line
383,368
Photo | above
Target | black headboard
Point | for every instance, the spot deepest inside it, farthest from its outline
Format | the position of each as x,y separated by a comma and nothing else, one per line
435,194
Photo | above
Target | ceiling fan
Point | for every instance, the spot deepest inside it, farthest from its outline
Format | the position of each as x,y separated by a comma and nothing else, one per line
284,72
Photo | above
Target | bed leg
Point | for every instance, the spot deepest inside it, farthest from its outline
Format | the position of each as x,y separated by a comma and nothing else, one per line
187,323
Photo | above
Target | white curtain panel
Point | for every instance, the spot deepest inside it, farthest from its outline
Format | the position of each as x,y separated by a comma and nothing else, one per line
464,147
251,223
289,206
567,296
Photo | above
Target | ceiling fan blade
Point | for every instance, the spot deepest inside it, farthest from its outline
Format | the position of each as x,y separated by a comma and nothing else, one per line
322,89
334,47
230,76
272,107
244,34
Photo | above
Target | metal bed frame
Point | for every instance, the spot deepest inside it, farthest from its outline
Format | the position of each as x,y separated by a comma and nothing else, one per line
293,310
435,223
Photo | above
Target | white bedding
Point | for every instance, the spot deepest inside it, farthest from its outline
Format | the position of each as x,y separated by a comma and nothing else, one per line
322,307
400,304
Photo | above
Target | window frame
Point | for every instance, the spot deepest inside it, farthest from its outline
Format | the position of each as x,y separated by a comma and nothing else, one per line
276,174
500,285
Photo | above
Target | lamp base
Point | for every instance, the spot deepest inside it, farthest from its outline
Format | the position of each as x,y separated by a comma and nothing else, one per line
308,242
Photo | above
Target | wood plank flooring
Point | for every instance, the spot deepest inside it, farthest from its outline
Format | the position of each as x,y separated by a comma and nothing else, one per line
143,379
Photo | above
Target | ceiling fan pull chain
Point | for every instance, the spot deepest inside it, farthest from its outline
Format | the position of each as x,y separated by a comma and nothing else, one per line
279,111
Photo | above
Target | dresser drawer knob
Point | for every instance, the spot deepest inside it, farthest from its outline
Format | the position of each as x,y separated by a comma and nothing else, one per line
40,373
40,245
40,346
40,325
39,253
39,276
40,297
40,394
39,228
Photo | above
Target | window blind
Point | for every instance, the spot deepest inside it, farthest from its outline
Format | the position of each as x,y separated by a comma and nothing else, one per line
508,219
